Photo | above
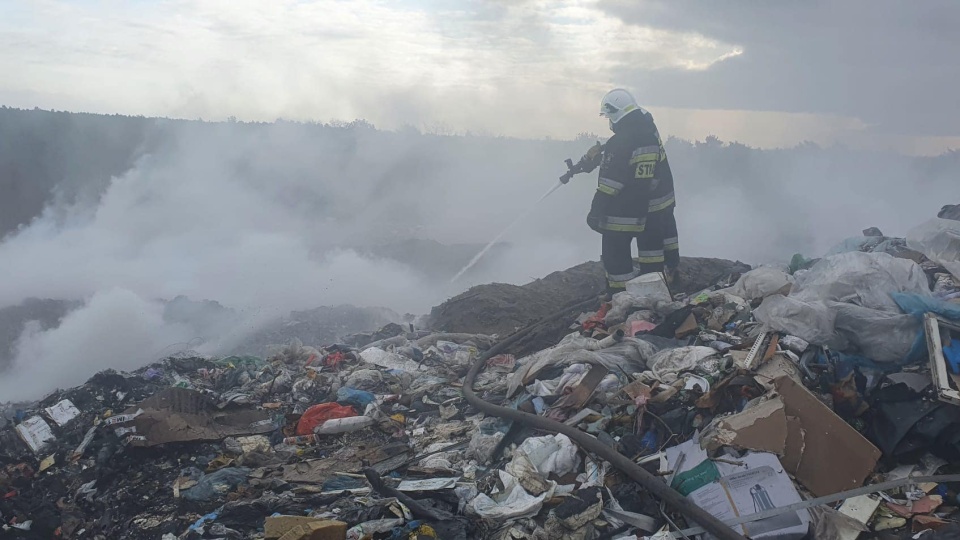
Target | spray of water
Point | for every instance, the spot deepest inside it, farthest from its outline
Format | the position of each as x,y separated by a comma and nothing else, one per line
493,242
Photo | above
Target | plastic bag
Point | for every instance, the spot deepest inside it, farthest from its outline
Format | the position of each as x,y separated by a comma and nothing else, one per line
939,240
364,379
537,457
511,503
358,399
760,283
318,414
624,302
812,322
864,279
485,439
548,454
875,334
390,360
667,364
630,355
846,302
217,483
869,244
917,307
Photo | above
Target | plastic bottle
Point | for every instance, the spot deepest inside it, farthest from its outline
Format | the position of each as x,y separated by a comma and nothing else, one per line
343,425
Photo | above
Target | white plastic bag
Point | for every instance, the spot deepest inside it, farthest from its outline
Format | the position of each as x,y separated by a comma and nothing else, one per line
631,355
864,279
813,322
667,364
939,240
844,303
512,503
760,283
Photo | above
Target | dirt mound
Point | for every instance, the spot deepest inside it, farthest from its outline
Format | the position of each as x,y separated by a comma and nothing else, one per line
502,309
321,325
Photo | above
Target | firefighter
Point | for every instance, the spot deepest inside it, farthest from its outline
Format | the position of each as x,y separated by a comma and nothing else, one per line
658,247
634,198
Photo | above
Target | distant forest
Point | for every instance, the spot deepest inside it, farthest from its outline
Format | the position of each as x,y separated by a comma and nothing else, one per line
48,155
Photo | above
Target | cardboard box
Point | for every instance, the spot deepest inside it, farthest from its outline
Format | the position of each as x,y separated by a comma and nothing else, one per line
815,445
738,487
318,530
35,432
830,456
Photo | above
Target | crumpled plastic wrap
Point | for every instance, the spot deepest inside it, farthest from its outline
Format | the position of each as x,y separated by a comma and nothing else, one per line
511,503
939,240
760,283
844,302
666,365
630,354
542,456
485,439
623,303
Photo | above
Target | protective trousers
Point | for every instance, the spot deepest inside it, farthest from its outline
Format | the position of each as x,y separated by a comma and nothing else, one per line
615,254
658,244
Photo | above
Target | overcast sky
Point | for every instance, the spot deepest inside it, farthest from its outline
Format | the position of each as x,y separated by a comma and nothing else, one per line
867,73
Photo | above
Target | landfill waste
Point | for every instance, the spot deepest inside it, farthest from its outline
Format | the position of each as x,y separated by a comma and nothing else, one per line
822,404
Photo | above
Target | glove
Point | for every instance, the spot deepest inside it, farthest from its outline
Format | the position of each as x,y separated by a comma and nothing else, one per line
591,160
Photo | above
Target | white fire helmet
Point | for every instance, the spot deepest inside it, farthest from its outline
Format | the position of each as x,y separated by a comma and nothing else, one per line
616,104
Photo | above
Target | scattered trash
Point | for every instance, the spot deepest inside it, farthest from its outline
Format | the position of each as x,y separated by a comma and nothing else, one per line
63,412
827,408
36,433
318,415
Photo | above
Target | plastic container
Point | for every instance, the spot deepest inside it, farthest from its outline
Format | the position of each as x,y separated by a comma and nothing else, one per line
649,285
344,425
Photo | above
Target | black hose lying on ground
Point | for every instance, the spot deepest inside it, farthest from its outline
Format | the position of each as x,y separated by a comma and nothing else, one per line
651,483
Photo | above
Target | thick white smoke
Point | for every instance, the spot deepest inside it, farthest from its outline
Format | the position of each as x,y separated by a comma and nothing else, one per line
266,219
263,222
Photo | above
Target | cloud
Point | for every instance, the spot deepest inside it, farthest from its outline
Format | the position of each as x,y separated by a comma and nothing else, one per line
525,69
477,66
886,63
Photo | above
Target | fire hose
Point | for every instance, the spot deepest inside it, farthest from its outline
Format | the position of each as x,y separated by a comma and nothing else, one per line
651,483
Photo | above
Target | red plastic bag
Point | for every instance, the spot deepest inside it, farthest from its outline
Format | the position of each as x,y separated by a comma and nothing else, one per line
597,320
318,414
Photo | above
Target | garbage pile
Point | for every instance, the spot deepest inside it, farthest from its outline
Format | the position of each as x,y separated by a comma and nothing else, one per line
822,402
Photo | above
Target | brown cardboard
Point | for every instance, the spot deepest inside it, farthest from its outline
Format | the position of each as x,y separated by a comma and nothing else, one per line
688,327
793,448
316,471
182,415
276,526
637,389
761,428
581,394
318,530
833,457
778,366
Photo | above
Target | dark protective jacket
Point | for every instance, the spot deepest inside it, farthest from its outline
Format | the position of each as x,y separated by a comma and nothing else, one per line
635,177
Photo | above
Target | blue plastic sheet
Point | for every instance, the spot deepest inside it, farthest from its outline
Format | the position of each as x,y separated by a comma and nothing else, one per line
952,355
358,399
212,516
210,486
918,306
